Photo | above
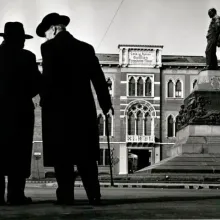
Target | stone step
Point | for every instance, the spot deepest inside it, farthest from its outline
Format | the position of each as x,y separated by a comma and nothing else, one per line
199,159
186,163
188,155
192,163
171,169
214,139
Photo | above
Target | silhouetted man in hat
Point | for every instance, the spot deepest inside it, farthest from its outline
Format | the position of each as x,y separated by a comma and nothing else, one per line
212,40
69,118
19,83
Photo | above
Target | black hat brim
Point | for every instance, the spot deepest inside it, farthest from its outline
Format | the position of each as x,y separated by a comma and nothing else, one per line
44,26
26,36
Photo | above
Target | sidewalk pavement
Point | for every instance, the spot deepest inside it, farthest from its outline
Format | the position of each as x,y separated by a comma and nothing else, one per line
164,185
120,204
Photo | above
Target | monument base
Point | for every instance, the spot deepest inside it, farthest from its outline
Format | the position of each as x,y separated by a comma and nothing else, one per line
197,139
197,150
197,147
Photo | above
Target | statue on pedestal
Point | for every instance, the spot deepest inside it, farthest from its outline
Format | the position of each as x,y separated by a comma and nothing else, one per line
213,40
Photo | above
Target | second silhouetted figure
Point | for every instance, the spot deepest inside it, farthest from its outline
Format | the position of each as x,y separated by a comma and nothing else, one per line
69,118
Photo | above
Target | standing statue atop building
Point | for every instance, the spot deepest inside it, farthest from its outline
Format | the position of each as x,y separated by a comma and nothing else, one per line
213,40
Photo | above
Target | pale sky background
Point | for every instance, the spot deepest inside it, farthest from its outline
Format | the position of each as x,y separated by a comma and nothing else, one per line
179,25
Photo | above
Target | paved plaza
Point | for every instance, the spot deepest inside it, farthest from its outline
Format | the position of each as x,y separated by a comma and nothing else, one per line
120,203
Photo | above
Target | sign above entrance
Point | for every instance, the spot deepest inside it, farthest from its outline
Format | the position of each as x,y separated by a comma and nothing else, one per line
140,56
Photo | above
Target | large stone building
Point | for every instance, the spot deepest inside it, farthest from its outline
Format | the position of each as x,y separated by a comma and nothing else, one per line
147,89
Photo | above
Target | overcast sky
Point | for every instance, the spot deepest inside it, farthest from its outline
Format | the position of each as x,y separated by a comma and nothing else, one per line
179,25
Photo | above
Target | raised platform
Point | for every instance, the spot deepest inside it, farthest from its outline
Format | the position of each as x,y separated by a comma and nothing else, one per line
186,163
197,150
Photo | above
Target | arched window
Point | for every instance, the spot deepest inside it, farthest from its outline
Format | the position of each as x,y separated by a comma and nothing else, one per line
148,87
109,121
170,88
109,83
101,125
194,83
132,87
147,124
139,119
131,124
140,88
139,124
170,126
178,89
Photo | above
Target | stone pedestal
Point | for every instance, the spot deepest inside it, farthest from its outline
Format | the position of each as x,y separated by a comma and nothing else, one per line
197,139
197,147
198,122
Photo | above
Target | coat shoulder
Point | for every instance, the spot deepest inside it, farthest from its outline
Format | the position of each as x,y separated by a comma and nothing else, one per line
28,53
46,45
85,46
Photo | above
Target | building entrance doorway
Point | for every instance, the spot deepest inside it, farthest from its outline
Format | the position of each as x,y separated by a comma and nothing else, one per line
138,159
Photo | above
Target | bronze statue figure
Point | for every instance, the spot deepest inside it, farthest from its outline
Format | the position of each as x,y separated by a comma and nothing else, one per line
213,40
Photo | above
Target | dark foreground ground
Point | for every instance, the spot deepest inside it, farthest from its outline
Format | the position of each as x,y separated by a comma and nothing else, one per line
120,203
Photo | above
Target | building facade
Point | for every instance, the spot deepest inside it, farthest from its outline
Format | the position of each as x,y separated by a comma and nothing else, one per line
147,89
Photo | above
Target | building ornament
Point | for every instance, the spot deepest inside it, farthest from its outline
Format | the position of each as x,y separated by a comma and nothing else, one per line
197,112
140,56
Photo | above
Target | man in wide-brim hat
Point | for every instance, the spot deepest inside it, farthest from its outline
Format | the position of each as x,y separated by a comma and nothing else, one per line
69,117
19,83
50,20
15,30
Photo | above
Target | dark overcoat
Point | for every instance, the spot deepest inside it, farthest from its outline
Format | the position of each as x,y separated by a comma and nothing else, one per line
19,82
69,118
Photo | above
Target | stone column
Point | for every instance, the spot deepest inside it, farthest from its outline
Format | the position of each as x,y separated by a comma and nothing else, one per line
37,166
157,154
152,126
123,159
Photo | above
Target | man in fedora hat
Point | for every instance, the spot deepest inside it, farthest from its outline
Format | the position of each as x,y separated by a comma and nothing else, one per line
69,118
19,83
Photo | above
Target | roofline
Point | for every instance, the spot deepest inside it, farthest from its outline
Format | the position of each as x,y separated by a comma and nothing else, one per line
182,64
168,55
138,45
108,53
108,62
163,63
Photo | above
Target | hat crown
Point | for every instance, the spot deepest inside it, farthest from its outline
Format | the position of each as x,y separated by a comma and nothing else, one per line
14,29
51,19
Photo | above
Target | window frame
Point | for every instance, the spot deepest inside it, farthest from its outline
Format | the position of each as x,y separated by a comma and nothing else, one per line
144,77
